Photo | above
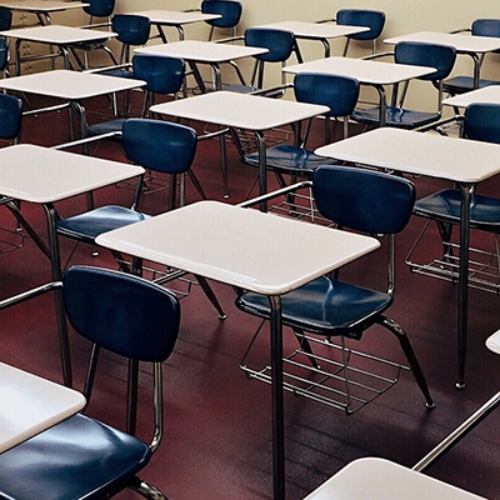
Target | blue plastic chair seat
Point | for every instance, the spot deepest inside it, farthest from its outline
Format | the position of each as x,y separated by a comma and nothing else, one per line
461,84
105,127
44,467
324,306
396,117
290,159
90,225
445,206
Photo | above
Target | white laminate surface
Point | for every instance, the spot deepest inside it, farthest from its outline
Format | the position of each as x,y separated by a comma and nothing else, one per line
239,110
58,35
493,342
31,404
490,94
462,43
204,52
317,31
41,175
379,479
71,85
365,71
418,153
241,247
42,5
175,18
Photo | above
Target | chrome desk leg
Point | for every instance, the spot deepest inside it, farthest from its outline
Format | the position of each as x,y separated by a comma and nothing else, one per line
278,425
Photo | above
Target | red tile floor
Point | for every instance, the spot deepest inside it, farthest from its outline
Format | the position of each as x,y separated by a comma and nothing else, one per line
217,444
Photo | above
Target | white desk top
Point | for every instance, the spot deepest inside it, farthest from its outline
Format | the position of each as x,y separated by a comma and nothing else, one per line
488,95
493,342
41,175
232,109
365,71
71,85
379,479
31,404
241,247
175,18
204,52
463,43
418,153
58,35
317,31
42,5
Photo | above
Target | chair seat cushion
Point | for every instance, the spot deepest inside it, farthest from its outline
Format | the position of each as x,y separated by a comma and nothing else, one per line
70,461
105,127
289,158
89,225
324,306
395,117
461,84
445,206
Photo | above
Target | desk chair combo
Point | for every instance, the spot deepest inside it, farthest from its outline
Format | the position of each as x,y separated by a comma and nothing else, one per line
327,309
159,146
381,479
462,83
373,19
83,458
440,57
481,122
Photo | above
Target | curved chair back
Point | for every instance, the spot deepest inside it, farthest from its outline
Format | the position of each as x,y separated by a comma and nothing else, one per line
363,200
4,53
99,8
440,57
164,75
373,19
229,10
339,93
131,29
5,18
280,43
486,27
482,122
158,145
11,114
121,312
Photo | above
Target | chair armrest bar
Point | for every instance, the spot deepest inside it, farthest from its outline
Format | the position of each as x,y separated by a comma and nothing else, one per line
275,194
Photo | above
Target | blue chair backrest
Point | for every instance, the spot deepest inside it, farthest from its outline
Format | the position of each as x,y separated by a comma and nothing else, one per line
482,122
373,19
4,53
363,200
5,18
11,114
164,75
279,42
99,8
486,27
440,57
339,93
121,312
131,29
229,10
159,145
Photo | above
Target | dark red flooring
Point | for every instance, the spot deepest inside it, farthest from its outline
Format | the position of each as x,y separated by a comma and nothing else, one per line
217,443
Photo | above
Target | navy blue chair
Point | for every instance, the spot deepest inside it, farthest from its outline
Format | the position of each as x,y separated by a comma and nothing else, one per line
462,83
163,76
328,307
5,18
11,115
373,19
280,44
481,122
440,57
340,94
229,10
83,458
4,56
101,9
